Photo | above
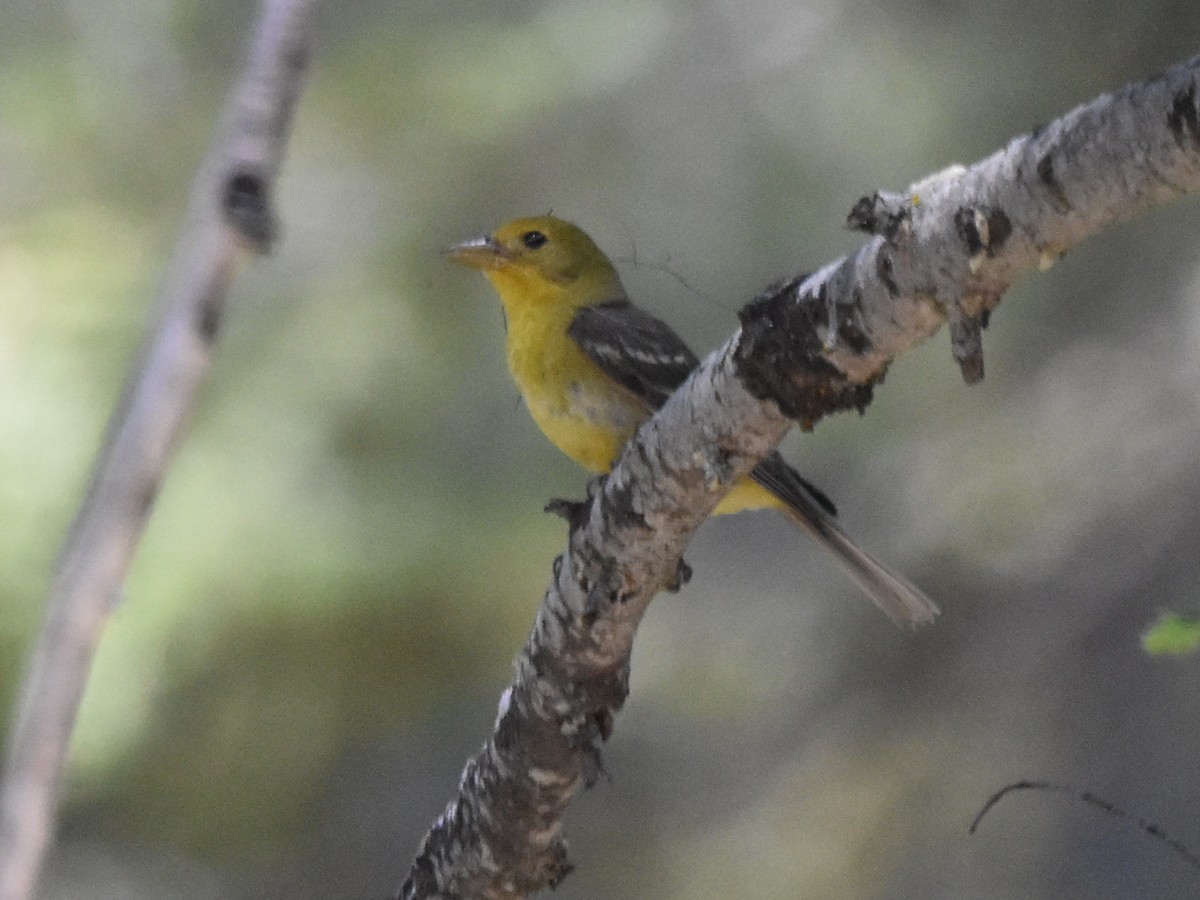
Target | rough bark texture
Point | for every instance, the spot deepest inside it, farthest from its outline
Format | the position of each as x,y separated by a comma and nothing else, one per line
949,247
944,250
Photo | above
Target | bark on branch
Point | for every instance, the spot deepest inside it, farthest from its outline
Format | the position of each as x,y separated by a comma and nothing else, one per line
943,251
229,217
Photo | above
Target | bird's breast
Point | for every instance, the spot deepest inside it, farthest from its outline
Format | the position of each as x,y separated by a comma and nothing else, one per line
579,409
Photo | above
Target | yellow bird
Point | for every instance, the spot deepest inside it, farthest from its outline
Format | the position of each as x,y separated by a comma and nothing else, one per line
592,367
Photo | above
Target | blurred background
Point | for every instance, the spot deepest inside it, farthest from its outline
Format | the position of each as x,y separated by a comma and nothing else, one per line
350,548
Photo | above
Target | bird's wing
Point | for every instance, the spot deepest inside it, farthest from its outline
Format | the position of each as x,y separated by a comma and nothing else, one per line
790,486
637,351
648,359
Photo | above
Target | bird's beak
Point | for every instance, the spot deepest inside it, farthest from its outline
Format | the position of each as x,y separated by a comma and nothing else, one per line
483,253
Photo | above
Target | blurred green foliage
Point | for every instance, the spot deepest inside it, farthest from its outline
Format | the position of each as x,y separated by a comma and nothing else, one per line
1172,635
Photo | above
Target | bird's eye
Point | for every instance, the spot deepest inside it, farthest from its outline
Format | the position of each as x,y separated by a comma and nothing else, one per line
533,239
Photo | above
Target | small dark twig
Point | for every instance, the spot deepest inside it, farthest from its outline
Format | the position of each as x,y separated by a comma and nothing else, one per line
1151,828
574,512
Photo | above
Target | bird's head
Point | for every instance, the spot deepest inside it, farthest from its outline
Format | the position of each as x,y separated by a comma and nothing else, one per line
541,256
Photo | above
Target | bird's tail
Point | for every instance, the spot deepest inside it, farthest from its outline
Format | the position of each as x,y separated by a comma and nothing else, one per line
903,602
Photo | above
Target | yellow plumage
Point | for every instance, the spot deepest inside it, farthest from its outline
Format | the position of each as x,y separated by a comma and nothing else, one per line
580,410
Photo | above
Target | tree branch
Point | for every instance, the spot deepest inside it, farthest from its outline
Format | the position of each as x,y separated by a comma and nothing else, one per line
945,250
229,217
949,247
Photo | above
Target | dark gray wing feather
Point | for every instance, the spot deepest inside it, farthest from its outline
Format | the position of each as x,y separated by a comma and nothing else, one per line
634,349
790,486
648,359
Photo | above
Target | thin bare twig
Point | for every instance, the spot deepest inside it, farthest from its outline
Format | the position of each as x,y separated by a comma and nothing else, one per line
229,217
944,251
1151,828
